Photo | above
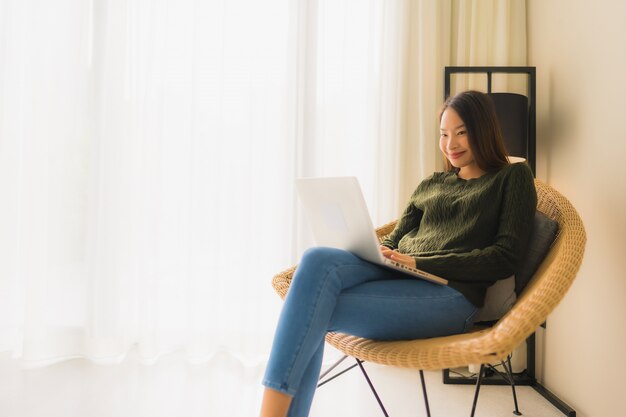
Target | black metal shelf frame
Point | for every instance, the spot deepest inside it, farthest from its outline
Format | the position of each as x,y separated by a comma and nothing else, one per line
527,377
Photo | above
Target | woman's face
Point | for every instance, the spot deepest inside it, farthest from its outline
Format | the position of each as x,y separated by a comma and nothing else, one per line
454,143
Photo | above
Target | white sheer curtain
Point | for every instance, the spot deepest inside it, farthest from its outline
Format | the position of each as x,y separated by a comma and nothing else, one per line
147,157
148,150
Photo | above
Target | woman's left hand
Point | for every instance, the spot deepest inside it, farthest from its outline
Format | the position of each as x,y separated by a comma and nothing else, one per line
407,260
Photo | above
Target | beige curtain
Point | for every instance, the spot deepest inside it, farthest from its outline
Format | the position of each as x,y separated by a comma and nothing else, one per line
461,33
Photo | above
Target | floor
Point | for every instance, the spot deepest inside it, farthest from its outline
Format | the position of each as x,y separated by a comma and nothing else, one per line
173,387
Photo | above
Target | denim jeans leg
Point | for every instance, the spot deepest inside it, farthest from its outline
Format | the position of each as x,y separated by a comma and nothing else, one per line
401,309
319,279
334,290
301,402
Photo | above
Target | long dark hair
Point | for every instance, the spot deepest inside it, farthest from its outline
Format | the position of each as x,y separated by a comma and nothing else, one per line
478,113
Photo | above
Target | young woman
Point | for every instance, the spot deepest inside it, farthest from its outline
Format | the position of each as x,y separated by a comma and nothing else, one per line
468,224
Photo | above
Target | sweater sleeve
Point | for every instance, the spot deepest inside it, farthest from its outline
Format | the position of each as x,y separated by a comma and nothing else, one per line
498,260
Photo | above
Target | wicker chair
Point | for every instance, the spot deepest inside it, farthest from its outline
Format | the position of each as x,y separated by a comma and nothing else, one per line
546,289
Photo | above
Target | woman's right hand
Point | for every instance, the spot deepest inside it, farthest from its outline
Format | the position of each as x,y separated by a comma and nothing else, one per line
396,256
385,251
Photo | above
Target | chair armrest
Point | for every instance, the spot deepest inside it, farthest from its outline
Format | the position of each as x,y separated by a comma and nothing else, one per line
282,281
385,229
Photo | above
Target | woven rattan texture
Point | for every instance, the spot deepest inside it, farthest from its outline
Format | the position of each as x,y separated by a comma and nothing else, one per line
541,296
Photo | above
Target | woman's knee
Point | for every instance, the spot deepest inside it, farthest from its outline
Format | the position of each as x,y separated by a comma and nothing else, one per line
318,263
323,256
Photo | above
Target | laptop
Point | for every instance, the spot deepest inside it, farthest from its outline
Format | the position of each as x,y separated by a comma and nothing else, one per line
338,216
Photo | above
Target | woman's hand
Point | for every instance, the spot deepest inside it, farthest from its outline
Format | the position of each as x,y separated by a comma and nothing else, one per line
396,256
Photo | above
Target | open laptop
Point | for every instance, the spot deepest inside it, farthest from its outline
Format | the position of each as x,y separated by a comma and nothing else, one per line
339,218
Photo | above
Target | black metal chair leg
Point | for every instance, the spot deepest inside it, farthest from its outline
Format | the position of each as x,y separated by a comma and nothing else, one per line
478,381
337,375
380,403
424,391
512,381
333,366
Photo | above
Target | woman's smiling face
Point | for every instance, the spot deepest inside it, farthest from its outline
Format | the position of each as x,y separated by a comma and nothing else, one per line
454,143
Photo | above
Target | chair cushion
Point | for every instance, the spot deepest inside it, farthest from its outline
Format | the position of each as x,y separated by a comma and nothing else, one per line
541,238
499,299
501,296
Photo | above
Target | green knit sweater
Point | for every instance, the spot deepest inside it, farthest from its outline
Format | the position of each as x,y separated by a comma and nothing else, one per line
471,232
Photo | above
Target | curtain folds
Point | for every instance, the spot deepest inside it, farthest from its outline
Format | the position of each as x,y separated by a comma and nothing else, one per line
453,33
148,151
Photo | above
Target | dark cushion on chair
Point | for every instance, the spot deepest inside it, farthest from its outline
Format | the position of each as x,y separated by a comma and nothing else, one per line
541,237
499,299
501,296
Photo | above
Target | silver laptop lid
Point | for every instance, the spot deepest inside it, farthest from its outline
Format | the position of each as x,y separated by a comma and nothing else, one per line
339,218
338,215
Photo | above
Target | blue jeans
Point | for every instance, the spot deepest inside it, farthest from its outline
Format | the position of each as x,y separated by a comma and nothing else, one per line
334,290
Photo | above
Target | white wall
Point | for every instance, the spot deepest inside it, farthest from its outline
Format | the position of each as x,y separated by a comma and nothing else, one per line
579,49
